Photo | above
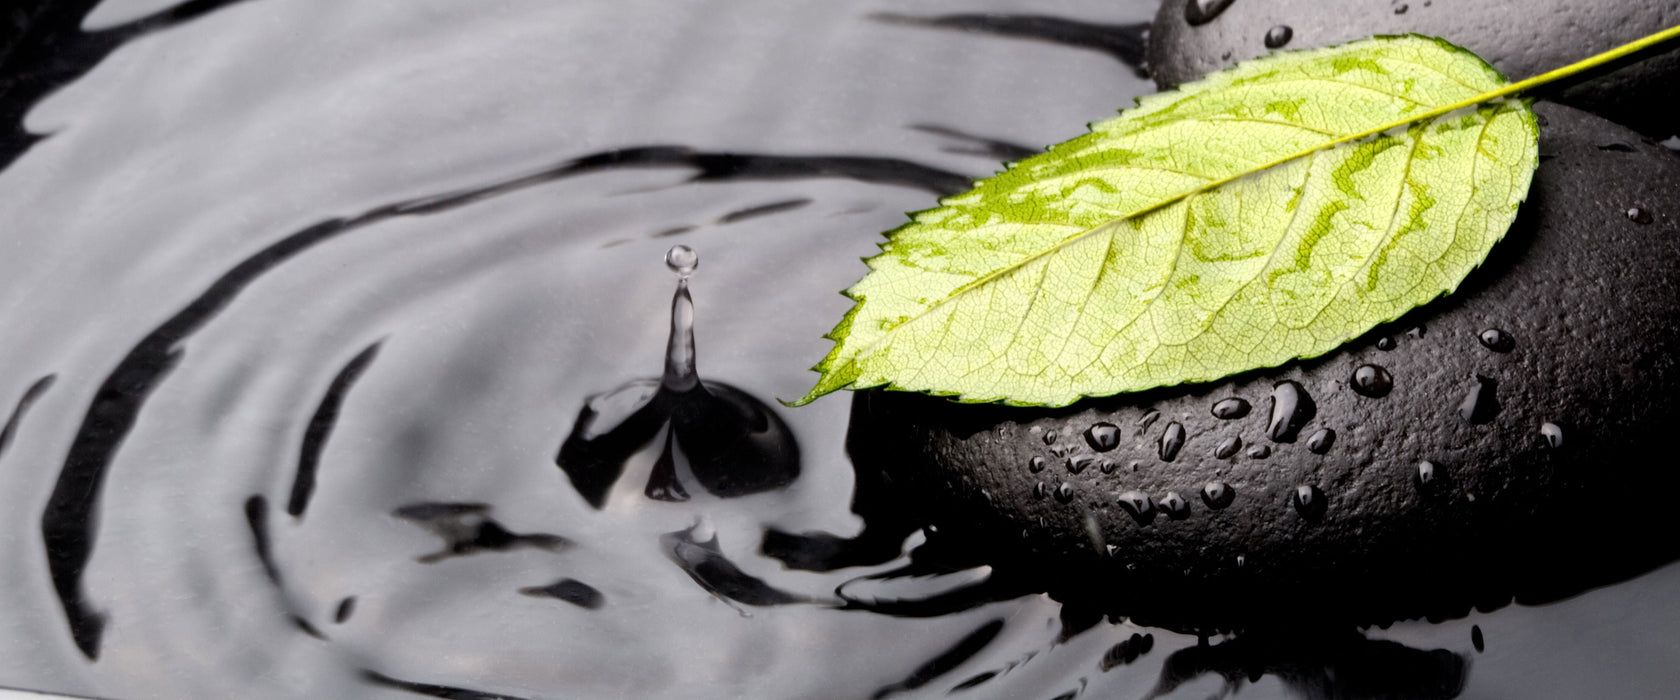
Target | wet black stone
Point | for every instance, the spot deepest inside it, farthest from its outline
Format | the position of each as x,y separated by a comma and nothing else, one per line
1597,307
1521,40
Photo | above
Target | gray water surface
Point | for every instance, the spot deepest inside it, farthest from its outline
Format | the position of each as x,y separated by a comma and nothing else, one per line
186,196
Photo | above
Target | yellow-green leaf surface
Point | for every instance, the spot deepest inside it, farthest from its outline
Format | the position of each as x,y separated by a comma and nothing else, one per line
1269,212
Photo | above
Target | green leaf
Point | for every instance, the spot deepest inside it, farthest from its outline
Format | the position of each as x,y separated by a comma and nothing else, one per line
1269,212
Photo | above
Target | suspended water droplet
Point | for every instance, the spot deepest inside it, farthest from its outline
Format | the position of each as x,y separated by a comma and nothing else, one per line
1148,419
1079,463
1230,409
1279,35
1137,504
1553,435
1218,494
1386,343
1292,408
1309,501
1064,493
1172,440
1050,437
1103,437
1200,12
682,260
1639,215
734,444
1175,506
1482,403
1497,340
1040,490
1228,447
1321,442
1259,451
1035,465
1108,466
1476,638
1425,473
1372,381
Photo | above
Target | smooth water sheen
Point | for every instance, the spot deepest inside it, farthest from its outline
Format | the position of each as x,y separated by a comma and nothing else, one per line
304,299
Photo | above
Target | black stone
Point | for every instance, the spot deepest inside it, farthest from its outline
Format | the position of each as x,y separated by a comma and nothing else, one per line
1595,299
1520,39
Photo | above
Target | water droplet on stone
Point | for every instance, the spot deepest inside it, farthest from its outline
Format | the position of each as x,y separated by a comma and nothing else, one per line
1476,638
1482,403
1259,451
1372,381
1079,463
1386,343
1230,409
1241,561
1175,506
1137,503
1218,494
1200,12
1639,215
1172,440
1040,490
1292,408
1277,36
1228,448
1103,437
1035,465
1425,473
1309,501
1060,450
1553,435
1108,466
1050,437
1134,465
1497,340
1148,419
1417,332
682,260
1321,442
1064,493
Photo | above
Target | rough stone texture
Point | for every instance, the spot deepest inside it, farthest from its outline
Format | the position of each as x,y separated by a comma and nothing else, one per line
1520,38
1592,300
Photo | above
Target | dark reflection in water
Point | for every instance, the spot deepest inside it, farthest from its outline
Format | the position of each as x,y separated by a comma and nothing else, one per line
704,562
763,210
1125,42
1328,666
945,662
30,396
572,591
467,529
436,691
321,426
979,145
42,48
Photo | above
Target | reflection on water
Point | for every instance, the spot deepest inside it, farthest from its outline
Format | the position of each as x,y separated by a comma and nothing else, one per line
302,296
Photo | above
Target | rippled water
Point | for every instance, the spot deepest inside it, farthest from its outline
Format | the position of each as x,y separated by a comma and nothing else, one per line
301,298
